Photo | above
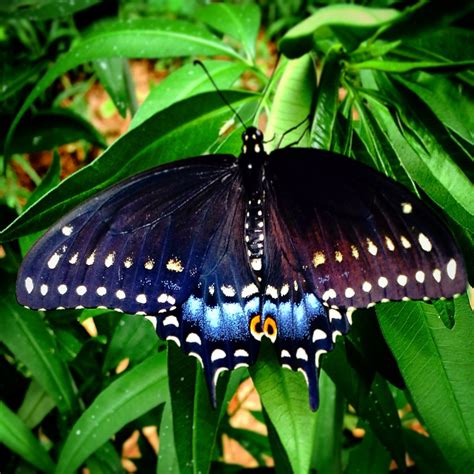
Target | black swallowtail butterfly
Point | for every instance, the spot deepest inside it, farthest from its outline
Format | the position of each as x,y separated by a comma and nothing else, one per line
220,251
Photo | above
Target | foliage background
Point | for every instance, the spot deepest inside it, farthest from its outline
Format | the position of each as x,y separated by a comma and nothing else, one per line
392,88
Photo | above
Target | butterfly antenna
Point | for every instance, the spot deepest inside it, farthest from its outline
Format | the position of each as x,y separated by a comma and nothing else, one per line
197,62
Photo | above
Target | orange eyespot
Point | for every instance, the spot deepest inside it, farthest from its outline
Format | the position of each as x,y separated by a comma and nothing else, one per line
270,328
256,327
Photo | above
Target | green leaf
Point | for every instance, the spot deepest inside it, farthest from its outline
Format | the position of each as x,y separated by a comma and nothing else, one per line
134,393
440,94
293,101
437,365
148,38
114,75
43,9
36,405
369,456
51,128
368,393
134,338
182,130
436,174
284,395
326,458
403,67
352,23
186,82
19,439
195,421
426,454
26,335
167,456
241,22
327,103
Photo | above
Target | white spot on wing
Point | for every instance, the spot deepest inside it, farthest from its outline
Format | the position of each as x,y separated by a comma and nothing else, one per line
301,354
451,269
256,264
241,353
272,291
407,208
284,353
349,293
366,286
382,282
424,242
175,339
90,259
193,338
331,293
437,274
101,291
54,260
217,354
318,335
335,334
152,320
29,285
44,289
109,260
249,290
62,289
420,276
128,262
141,298
120,294
81,290
405,242
228,290
371,247
67,230
334,314
318,355
402,280
74,258
171,321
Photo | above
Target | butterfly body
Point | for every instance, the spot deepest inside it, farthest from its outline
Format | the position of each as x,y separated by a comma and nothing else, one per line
219,252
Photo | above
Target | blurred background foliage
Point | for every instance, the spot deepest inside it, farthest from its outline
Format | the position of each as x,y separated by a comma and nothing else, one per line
96,91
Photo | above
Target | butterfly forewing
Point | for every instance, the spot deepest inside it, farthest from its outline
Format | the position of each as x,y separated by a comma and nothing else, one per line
358,237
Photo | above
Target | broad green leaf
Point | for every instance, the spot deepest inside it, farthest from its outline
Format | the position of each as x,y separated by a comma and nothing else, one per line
114,74
106,460
368,457
369,394
353,23
134,393
241,22
167,456
438,368
36,405
14,78
403,67
326,457
16,436
443,43
440,94
292,103
51,128
43,9
134,338
426,454
186,82
195,421
436,174
180,131
284,395
327,103
148,38
25,333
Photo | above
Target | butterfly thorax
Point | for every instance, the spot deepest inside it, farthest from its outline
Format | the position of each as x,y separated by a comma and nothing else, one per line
251,163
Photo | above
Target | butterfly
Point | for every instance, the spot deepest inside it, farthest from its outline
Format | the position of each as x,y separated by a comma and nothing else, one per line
220,251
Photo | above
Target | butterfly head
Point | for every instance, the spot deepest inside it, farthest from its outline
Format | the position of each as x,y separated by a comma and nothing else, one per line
252,141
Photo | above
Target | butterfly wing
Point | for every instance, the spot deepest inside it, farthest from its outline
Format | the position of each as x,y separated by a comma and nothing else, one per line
343,236
162,243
